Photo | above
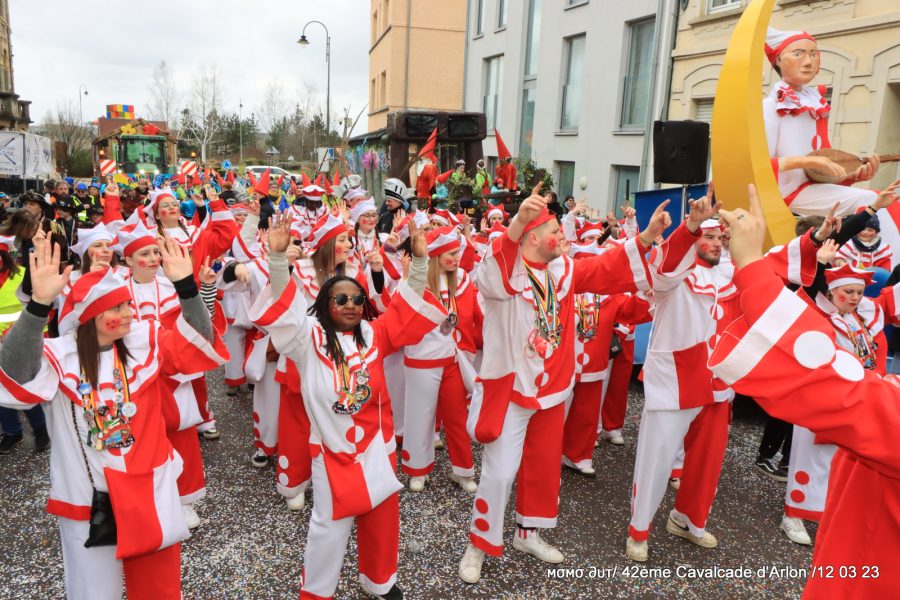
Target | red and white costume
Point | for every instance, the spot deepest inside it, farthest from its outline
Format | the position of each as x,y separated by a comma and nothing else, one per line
141,478
860,258
796,124
685,405
783,354
517,408
354,456
439,374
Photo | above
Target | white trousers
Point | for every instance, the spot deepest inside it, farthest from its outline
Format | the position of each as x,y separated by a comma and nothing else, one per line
808,472
90,573
266,403
234,341
395,378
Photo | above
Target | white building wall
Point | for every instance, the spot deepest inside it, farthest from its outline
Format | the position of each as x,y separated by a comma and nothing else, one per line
598,145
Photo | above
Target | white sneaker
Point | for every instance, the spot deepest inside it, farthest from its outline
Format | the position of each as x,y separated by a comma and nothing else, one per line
681,530
259,459
296,503
635,550
675,483
211,434
794,529
536,546
417,484
466,483
613,437
191,516
470,565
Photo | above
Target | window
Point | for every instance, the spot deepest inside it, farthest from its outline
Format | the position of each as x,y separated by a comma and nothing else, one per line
626,185
479,18
374,26
636,98
576,2
703,108
571,90
493,76
716,5
533,39
372,95
526,131
386,14
383,86
501,14
565,177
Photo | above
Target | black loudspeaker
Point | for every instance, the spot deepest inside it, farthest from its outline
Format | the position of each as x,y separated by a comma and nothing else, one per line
680,151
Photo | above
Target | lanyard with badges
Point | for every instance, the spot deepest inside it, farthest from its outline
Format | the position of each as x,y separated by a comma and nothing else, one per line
354,389
863,343
108,423
588,316
452,319
545,337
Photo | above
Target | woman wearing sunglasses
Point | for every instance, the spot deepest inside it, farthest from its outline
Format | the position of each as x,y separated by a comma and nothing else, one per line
339,355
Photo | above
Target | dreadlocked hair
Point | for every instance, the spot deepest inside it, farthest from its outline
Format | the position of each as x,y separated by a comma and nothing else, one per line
320,311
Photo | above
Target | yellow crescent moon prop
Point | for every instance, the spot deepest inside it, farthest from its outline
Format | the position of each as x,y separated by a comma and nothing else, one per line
740,154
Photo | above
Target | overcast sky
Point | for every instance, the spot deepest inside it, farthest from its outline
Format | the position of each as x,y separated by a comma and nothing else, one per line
59,44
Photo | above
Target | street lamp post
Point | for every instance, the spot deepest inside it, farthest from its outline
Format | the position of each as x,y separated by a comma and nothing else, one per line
80,111
241,129
304,42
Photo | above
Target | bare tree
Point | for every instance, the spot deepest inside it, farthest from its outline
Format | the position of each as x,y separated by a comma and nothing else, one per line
64,125
202,117
164,95
274,108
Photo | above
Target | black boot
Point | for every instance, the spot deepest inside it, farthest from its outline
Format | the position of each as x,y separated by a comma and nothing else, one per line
9,442
41,439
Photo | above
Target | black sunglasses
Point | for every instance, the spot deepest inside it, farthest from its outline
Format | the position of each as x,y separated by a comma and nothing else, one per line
342,299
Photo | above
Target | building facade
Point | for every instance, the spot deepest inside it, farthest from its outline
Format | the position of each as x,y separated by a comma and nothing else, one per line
859,44
14,113
574,84
415,57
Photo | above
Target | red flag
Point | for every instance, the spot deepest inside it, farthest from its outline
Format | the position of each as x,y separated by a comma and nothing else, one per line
280,181
293,187
502,150
427,150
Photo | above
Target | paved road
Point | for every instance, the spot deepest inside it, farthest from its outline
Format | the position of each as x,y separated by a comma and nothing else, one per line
250,546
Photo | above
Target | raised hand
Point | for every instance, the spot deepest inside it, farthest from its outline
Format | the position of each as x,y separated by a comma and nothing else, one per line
417,240
628,211
207,275
532,206
747,230
701,210
242,273
659,222
405,260
211,193
829,225
112,189
398,219
176,259
294,252
827,252
46,280
254,207
280,232
375,261
887,196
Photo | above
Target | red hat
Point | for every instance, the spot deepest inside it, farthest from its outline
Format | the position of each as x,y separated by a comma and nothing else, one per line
157,196
336,180
313,192
86,237
263,183
589,229
496,210
93,293
7,242
494,230
251,177
196,181
328,227
445,217
847,275
586,250
229,178
427,151
293,187
443,177
502,150
280,181
442,239
777,41
306,182
132,237
543,217
239,207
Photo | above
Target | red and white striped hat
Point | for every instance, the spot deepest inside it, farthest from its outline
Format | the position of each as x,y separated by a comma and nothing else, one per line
494,231
712,224
589,229
239,207
328,227
86,237
7,242
847,275
132,237
362,208
92,294
445,218
312,192
777,41
157,196
420,218
579,251
442,239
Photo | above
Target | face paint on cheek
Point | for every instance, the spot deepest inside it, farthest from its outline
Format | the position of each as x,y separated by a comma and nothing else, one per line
113,324
142,263
553,243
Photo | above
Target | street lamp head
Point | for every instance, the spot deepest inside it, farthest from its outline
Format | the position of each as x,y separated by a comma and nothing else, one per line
85,92
303,41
